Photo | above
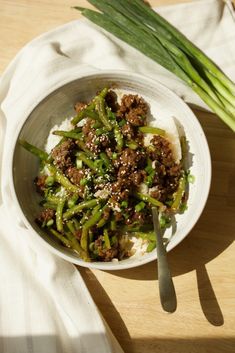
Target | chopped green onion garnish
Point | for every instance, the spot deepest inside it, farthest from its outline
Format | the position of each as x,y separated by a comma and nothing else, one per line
50,222
122,122
50,180
124,204
79,163
83,181
191,178
140,206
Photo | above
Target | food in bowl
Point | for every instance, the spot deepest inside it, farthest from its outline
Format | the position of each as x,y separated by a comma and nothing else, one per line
99,181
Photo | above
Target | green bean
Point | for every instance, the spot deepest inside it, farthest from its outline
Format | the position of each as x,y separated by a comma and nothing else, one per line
90,236
101,131
114,240
59,213
85,113
95,209
152,130
100,107
85,217
53,199
49,180
42,155
73,200
53,206
76,223
68,134
59,236
132,145
151,246
106,160
71,227
183,143
61,179
78,208
148,199
113,224
86,160
106,239
94,219
151,236
77,247
84,239
179,194
89,110
82,146
118,137
101,222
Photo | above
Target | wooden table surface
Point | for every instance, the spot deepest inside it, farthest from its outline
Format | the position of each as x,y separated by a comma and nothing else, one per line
203,265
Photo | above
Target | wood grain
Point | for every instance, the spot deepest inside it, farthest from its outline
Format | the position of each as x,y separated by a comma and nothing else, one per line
203,265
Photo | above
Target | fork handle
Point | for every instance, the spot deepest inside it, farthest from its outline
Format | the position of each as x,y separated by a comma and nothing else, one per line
165,282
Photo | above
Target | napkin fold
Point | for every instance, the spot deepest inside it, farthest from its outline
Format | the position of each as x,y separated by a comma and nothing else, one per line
45,305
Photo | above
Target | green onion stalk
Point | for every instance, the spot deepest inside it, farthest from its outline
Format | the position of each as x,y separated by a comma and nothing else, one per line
138,25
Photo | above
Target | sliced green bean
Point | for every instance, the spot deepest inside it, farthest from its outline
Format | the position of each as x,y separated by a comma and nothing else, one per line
152,245
179,194
85,113
42,155
82,146
93,220
71,227
89,110
78,208
151,236
86,160
100,107
118,137
68,134
85,217
106,239
84,239
152,130
53,206
76,223
101,222
106,160
59,236
73,200
183,143
53,199
148,199
132,145
113,224
61,179
59,213
77,247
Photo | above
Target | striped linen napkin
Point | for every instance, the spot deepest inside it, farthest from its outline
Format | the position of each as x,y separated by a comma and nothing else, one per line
45,306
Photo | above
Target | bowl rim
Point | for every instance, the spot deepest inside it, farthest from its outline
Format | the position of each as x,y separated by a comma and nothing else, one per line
107,265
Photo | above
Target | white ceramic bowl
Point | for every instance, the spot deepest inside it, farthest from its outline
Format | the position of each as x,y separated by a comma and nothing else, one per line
59,105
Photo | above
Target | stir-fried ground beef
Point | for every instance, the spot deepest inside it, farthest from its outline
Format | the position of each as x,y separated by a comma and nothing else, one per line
116,167
46,215
40,182
134,109
62,154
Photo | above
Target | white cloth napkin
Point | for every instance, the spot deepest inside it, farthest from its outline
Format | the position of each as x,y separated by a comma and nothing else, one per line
45,306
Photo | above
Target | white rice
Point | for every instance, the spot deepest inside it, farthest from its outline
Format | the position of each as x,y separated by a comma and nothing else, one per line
53,140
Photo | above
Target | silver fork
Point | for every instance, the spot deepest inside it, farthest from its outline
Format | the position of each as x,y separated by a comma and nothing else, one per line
165,282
